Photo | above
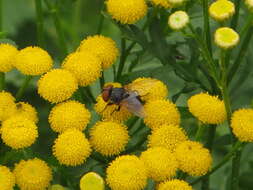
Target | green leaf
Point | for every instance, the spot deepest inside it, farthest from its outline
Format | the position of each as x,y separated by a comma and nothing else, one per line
245,180
223,140
150,185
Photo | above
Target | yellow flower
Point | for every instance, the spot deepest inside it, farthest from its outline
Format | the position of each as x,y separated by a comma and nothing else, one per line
103,47
242,125
161,3
127,12
249,4
92,181
126,172
70,114
176,2
57,85
28,111
174,184
33,61
19,132
178,20
56,187
109,138
161,112
167,136
33,174
208,109
226,38
7,105
71,148
7,179
161,164
193,158
221,10
7,55
85,66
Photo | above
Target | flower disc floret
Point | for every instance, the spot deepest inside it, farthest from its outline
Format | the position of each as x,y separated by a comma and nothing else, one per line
161,164
208,109
7,57
161,3
92,181
226,38
109,138
33,61
19,132
126,172
127,12
221,10
33,174
71,148
193,158
28,111
178,20
70,114
57,85
174,184
7,178
7,105
103,47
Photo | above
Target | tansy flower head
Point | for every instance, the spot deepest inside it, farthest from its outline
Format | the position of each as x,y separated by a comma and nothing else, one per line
56,187
33,61
161,3
7,179
126,172
26,110
161,112
92,181
127,12
71,148
176,2
249,4
103,47
193,158
226,38
167,136
242,125
109,138
85,66
208,109
33,174
178,20
174,184
7,56
221,10
70,114
161,164
57,85
19,132
7,105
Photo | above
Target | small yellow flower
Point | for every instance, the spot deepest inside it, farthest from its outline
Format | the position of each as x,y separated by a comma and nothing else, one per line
56,187
57,85
103,47
7,56
127,12
126,172
178,20
7,178
28,111
109,138
226,38
161,3
71,148
208,109
249,4
33,174
92,181
85,66
242,125
167,136
175,3
33,61
19,132
161,112
174,184
161,164
193,158
70,114
7,105
221,10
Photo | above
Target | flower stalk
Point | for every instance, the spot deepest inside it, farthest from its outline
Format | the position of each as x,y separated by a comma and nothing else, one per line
22,89
39,22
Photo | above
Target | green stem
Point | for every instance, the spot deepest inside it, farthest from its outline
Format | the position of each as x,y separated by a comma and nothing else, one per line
122,59
88,91
1,15
2,81
200,132
101,19
39,22
236,170
22,89
102,80
248,24
207,26
235,18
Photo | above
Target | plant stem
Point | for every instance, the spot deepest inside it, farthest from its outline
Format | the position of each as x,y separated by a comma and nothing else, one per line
102,80
200,132
88,91
101,19
235,170
2,81
21,90
39,22
235,18
207,26
122,59
248,24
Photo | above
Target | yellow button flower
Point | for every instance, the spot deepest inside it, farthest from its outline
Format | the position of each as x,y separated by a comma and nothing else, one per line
249,4
33,174
70,114
71,148
221,10
127,12
33,61
126,172
103,47
178,20
92,181
56,187
161,3
226,38
174,184
28,111
175,3
57,85
7,178
109,138
7,56
7,105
